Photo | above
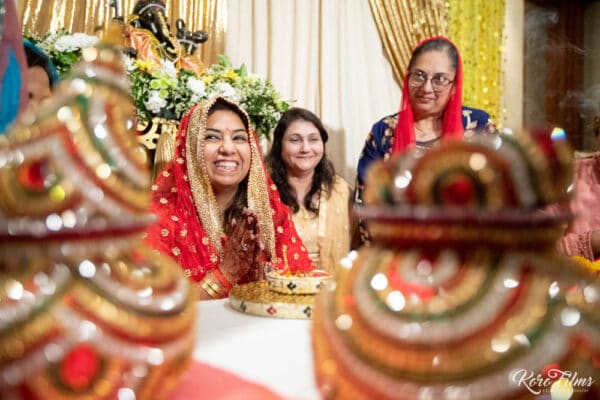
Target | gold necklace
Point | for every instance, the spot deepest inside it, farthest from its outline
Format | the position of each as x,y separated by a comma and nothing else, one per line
305,214
424,137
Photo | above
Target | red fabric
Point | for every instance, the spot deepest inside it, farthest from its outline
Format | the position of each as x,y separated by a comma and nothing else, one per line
202,381
404,136
181,234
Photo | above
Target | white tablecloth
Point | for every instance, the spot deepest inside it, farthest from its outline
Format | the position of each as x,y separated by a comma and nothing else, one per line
273,352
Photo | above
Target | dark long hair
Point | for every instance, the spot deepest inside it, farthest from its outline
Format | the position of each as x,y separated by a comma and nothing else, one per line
241,195
37,58
439,44
324,171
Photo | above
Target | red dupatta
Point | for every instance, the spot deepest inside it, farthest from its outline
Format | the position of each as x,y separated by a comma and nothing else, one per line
189,229
404,136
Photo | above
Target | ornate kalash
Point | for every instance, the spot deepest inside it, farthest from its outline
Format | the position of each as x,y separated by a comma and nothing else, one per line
462,295
86,312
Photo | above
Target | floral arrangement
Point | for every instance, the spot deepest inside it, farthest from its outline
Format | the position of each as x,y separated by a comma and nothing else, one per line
63,48
163,91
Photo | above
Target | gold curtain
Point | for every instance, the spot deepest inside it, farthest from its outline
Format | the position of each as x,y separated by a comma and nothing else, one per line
41,16
475,26
403,23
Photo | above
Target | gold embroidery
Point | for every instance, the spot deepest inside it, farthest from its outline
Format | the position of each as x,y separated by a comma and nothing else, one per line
164,232
163,200
174,218
470,124
176,251
183,232
279,229
285,260
296,256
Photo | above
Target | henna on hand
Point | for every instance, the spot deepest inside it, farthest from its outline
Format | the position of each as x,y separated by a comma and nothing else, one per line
242,248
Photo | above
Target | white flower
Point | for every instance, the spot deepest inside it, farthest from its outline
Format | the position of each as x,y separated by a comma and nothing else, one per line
197,87
65,43
224,89
84,40
74,42
168,67
155,103
129,63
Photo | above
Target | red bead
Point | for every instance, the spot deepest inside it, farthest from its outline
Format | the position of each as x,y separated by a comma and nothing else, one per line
552,371
32,175
459,191
79,368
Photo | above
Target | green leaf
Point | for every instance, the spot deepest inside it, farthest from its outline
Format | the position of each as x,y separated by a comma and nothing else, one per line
224,61
242,71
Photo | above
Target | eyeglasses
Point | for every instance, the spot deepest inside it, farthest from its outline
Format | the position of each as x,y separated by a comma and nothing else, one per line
439,82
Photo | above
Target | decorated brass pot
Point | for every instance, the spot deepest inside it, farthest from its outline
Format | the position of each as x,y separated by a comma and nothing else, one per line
86,312
461,295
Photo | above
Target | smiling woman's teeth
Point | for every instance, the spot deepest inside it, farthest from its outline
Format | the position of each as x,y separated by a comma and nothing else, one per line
226,165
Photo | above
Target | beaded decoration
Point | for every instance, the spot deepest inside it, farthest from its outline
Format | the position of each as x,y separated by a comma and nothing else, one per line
86,311
461,294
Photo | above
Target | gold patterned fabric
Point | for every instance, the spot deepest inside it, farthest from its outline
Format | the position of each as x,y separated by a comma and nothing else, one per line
476,27
41,16
403,23
327,236
307,225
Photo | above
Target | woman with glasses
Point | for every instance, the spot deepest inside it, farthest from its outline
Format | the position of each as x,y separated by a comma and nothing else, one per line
431,108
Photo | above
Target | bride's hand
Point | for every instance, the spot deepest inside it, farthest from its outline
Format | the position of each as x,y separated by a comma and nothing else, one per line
242,252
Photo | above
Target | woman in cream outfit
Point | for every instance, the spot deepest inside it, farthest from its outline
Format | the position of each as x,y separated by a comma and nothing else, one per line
320,200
